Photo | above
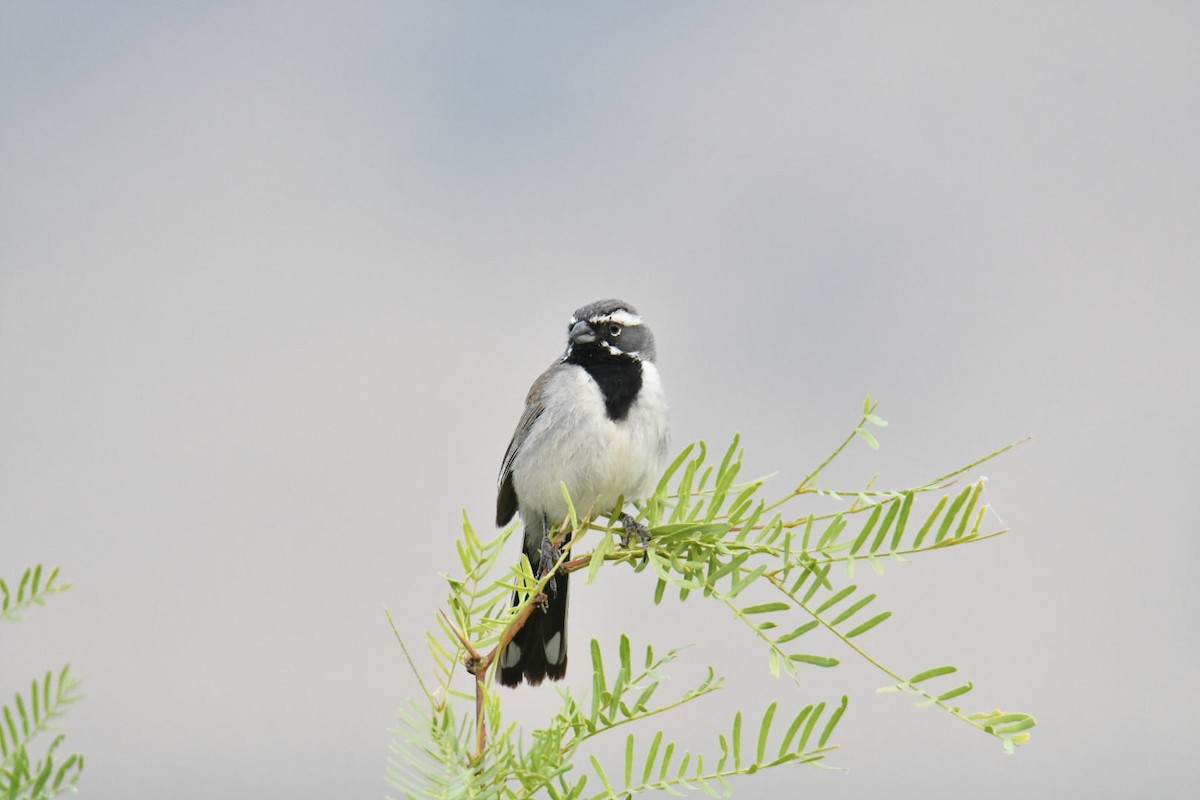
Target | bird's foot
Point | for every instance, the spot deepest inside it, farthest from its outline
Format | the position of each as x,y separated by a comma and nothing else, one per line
634,528
547,562
473,663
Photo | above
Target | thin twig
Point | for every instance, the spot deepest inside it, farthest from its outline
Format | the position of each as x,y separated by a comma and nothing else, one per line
837,452
976,463
407,655
480,717
477,666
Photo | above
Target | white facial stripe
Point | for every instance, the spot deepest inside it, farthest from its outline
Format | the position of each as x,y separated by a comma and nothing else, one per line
616,351
620,316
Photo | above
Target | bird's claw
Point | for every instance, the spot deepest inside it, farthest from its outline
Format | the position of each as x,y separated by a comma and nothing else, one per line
634,528
548,561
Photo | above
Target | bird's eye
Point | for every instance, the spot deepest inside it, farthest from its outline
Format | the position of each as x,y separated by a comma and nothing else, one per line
614,329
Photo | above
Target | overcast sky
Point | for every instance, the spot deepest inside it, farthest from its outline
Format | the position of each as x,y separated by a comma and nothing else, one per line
274,280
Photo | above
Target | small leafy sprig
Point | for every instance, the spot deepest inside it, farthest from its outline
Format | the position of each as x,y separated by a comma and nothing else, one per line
31,590
782,575
438,760
722,553
30,716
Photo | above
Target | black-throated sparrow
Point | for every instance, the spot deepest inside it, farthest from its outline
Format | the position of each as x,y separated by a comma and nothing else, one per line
597,422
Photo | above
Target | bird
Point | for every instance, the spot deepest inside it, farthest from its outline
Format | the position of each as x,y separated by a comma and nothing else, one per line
597,422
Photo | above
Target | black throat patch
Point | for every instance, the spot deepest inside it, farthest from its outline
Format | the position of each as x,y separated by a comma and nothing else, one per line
619,377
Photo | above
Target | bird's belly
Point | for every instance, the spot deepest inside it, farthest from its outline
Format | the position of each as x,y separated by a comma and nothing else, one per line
598,459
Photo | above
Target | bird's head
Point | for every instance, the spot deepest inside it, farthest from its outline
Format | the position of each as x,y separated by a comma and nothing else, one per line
609,328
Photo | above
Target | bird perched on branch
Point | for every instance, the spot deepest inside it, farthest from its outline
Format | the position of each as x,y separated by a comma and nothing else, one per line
595,421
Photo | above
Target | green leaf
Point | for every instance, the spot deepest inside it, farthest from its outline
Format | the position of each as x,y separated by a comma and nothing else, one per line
955,692
691,530
816,661
936,672
852,610
866,531
941,504
809,725
737,740
71,761
763,732
836,526
808,525
793,729
868,437
821,579
562,487
833,721
966,514
837,598
871,623
798,632
600,773
893,509
24,714
598,664
763,608
12,726
603,548
665,481
726,474
741,583
998,717
744,502
949,518
1021,725
651,756
40,782
905,507
666,761
629,760
618,691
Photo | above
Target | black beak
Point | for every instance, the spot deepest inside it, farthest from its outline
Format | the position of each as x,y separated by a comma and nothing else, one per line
582,333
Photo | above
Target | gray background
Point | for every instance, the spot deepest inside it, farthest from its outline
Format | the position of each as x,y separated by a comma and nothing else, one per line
275,279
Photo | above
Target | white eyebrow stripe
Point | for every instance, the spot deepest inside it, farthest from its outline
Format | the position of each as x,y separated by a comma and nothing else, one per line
620,316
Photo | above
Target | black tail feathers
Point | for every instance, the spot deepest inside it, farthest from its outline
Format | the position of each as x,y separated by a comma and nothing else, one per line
539,649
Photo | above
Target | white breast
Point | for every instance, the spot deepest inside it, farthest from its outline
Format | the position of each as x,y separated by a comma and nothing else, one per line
575,442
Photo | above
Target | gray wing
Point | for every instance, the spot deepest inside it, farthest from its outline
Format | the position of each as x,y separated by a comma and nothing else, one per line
535,404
